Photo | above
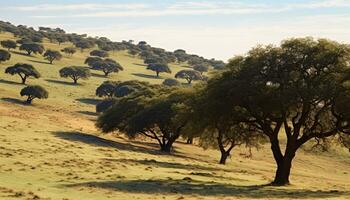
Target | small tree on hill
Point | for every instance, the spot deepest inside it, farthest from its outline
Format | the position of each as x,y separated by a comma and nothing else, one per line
91,60
99,53
84,44
107,66
189,75
106,89
33,92
159,68
51,55
23,70
133,52
8,44
69,51
4,55
75,73
32,48
171,82
201,68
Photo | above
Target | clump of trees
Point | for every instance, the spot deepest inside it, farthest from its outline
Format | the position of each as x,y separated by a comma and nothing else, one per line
159,68
201,68
4,55
171,82
23,70
33,92
69,51
8,44
52,55
32,48
189,75
75,73
99,53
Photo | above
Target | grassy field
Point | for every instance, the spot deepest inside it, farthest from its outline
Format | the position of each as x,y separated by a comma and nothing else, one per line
52,150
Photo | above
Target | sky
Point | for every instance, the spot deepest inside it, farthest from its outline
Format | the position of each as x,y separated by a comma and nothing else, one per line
213,29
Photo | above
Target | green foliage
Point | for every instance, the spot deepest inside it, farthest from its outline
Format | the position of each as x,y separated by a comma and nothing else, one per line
32,48
84,44
69,50
107,66
106,89
52,55
91,60
23,70
159,68
8,44
35,91
189,75
99,53
75,73
201,68
4,55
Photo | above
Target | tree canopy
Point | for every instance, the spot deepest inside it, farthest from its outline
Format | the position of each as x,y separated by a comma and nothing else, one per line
299,86
8,44
99,53
159,68
189,75
201,68
4,55
107,66
35,91
23,70
32,48
171,82
52,55
69,50
75,73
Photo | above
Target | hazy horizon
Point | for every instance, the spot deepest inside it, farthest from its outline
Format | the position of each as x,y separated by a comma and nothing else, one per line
211,29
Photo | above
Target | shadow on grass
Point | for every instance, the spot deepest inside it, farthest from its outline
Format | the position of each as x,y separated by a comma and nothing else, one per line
146,76
192,187
89,101
16,101
10,82
98,75
41,62
98,141
143,65
88,113
61,82
22,53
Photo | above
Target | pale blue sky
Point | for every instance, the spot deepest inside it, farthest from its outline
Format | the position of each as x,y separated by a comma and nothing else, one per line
218,29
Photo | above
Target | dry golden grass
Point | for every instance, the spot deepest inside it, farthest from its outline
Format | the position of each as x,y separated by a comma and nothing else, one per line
51,150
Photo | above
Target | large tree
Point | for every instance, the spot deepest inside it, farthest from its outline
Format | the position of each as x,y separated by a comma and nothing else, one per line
33,92
52,55
8,44
106,89
298,89
159,68
23,70
4,55
189,75
32,48
107,66
91,60
75,73
99,53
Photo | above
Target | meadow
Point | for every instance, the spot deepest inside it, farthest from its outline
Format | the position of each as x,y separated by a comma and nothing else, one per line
52,149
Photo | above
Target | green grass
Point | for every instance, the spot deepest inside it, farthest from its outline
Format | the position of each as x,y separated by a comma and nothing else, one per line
52,150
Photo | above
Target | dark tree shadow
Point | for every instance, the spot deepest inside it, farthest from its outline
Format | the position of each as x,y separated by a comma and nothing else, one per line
61,82
10,82
98,75
193,187
22,54
89,101
41,62
143,65
16,101
146,76
88,113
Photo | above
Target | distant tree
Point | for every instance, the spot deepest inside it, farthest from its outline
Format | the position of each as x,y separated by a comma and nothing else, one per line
23,70
99,53
24,41
8,44
106,89
61,39
91,60
84,44
75,73
189,75
171,82
133,52
32,48
4,55
123,90
201,68
69,51
107,66
33,92
52,55
153,60
159,68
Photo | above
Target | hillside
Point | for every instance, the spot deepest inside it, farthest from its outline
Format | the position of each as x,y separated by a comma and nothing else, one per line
52,150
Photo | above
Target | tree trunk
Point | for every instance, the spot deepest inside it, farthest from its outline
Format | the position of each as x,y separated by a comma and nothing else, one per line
24,79
283,171
157,74
189,140
167,146
75,81
29,100
224,156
